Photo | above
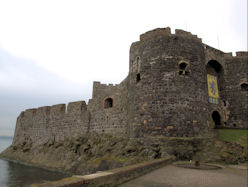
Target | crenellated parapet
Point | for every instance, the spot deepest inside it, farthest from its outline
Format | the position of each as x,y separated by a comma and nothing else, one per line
99,85
29,112
75,107
99,88
220,53
228,54
242,54
165,93
186,34
45,110
155,33
59,109
238,54
56,122
161,32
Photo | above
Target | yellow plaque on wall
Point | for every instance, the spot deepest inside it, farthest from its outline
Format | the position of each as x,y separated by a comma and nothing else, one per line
213,92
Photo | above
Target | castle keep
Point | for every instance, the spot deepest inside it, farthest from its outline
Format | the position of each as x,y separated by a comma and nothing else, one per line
176,86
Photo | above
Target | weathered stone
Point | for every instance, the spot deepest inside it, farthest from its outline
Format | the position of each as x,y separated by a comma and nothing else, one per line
101,153
165,94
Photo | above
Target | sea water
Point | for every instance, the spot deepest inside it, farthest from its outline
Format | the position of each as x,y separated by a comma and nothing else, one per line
19,175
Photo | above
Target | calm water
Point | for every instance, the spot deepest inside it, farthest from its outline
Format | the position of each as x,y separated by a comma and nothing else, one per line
18,175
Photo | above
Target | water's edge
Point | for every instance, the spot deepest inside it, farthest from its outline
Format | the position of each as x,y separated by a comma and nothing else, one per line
18,173
35,166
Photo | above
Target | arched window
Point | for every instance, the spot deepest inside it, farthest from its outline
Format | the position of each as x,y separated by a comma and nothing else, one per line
215,65
108,103
244,86
183,68
215,81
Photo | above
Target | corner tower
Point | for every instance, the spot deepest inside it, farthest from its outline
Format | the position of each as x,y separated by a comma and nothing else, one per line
167,85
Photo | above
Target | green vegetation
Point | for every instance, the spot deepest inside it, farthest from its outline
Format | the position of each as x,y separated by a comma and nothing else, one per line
237,136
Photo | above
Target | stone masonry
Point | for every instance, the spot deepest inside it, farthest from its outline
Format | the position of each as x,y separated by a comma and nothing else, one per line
165,94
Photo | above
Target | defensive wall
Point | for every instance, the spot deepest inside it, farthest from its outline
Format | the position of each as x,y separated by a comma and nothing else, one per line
165,93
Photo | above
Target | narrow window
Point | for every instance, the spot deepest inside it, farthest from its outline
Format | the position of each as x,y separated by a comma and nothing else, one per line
138,77
183,69
108,103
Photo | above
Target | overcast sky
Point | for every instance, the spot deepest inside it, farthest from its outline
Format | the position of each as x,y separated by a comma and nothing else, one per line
51,51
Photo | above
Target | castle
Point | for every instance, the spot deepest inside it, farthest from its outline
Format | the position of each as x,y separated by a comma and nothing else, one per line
176,86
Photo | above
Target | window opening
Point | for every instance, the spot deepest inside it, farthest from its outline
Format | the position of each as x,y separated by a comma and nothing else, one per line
183,69
244,86
214,64
224,102
108,103
183,66
138,77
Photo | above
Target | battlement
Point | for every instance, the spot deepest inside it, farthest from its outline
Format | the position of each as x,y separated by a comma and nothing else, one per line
238,54
45,110
77,106
97,86
30,112
59,109
228,54
167,32
221,53
179,32
154,33
165,93
242,53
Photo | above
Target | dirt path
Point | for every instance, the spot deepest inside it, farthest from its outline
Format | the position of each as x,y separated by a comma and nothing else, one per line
176,176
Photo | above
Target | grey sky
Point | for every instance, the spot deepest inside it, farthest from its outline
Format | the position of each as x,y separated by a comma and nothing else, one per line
52,51
25,85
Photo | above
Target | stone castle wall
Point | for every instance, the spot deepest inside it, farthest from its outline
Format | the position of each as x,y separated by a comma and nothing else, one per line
234,104
113,119
167,101
165,93
52,123
237,96
58,122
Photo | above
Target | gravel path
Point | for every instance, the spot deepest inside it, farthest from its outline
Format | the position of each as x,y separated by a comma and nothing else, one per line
176,176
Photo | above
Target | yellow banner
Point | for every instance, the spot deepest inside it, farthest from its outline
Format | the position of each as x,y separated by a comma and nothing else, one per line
212,86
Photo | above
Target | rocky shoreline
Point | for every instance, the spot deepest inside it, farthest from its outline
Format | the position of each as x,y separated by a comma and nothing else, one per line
89,154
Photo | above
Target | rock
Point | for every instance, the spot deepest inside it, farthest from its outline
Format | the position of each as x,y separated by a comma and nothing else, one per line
100,153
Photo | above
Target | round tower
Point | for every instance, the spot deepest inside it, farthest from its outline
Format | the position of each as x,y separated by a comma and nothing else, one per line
167,85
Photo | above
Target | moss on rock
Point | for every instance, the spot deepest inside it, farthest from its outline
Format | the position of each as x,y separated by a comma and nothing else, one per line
84,154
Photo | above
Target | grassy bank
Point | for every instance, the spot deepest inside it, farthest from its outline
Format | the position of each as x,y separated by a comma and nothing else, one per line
237,136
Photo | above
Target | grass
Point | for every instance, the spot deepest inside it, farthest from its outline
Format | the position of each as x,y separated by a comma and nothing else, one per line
237,136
